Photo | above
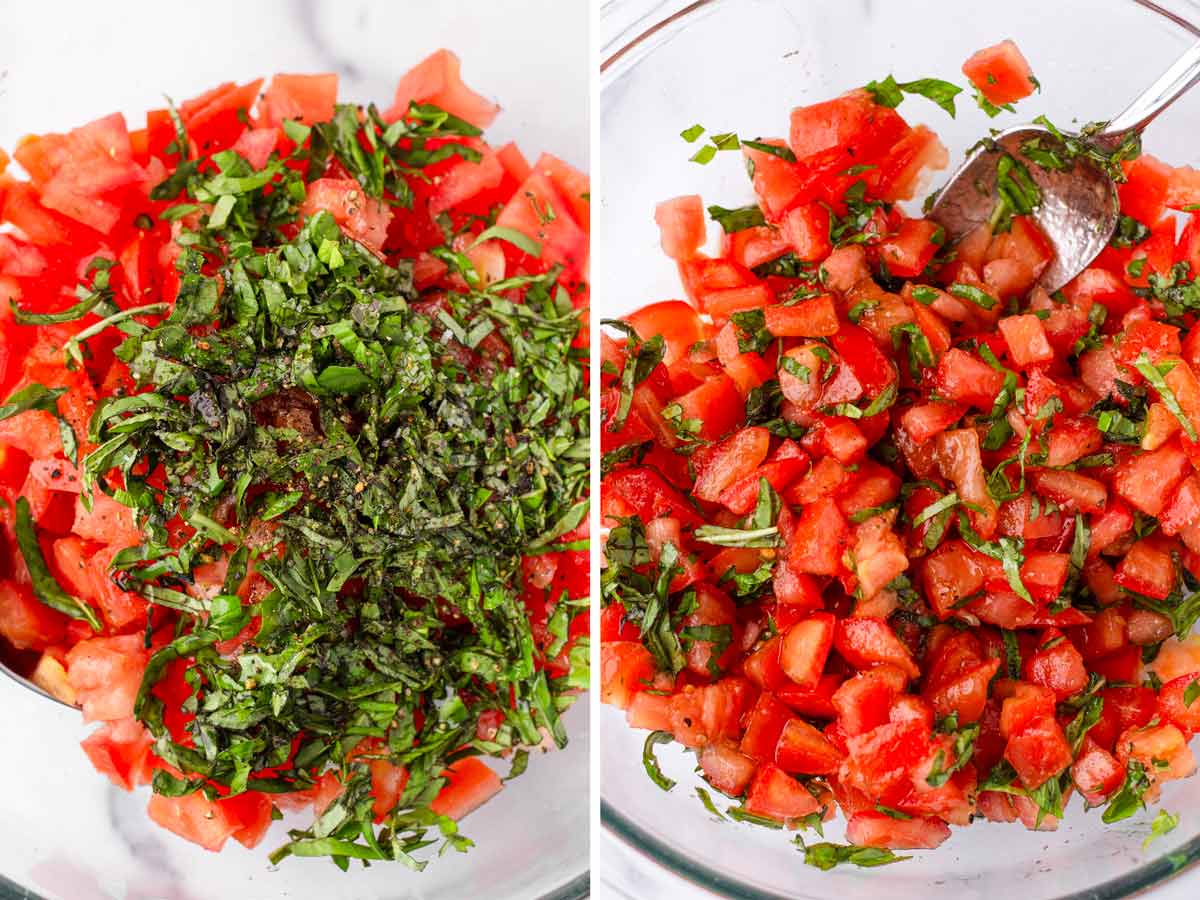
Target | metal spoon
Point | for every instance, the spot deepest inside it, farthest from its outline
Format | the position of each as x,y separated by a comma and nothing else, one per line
1079,209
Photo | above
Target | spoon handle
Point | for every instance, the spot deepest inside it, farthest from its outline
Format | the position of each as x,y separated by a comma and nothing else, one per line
1182,75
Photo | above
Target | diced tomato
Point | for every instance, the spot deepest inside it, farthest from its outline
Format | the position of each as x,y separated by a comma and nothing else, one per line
195,818
864,641
734,458
875,829
910,250
806,647
469,784
803,750
776,795
436,81
1001,73
626,667
764,723
864,702
727,768
360,217
817,543
681,225
808,318
1026,340
120,749
1144,193
675,320
304,98
840,133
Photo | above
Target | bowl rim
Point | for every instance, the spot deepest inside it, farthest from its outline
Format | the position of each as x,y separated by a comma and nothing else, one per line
625,26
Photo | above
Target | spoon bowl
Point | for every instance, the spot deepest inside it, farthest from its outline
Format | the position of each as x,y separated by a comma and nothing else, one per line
1079,209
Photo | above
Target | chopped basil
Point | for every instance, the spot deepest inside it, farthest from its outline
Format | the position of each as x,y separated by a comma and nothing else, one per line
741,814
1192,692
826,856
989,107
1129,233
45,587
707,800
1154,375
1164,823
924,294
1131,796
783,153
889,93
972,294
650,761
1085,720
1008,551
734,220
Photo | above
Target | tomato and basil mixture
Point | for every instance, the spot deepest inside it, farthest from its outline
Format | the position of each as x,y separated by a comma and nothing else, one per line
889,528
294,458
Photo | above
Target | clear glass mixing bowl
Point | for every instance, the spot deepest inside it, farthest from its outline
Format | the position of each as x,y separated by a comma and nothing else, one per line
741,65
65,833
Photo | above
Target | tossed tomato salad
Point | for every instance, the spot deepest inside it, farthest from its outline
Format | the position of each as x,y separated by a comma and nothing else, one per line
293,464
888,527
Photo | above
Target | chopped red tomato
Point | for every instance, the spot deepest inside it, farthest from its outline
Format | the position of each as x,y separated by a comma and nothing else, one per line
947,512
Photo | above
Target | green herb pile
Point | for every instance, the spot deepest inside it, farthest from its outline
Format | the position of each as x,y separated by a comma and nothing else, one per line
304,414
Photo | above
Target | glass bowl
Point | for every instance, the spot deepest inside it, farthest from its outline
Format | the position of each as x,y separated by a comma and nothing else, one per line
741,65
66,834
